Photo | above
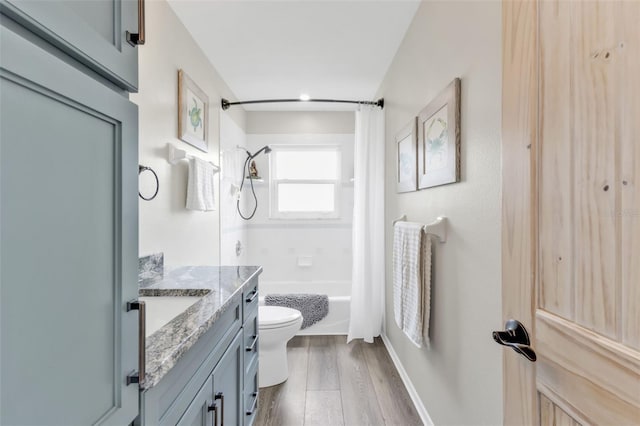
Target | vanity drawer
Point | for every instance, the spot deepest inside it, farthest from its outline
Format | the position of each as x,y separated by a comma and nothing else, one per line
251,395
250,299
251,342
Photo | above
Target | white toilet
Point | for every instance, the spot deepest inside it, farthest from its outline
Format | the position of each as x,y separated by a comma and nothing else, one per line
277,326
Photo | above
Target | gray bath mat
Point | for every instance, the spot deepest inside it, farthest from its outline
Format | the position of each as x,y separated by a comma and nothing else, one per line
313,307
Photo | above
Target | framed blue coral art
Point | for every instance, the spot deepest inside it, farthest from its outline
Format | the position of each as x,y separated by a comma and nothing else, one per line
193,113
439,139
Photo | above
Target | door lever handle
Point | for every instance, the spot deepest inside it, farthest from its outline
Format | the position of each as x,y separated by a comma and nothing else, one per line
516,337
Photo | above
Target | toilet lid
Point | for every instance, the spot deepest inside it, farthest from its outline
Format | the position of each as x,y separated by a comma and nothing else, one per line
277,316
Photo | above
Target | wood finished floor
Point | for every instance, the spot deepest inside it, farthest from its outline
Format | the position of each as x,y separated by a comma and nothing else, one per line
331,383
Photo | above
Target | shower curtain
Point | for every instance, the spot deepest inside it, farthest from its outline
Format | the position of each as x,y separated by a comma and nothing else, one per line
368,275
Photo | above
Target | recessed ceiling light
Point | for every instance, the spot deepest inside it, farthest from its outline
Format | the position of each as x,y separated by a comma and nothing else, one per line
304,97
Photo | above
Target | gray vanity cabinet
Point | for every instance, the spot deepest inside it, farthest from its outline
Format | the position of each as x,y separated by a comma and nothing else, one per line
250,330
251,396
68,241
217,378
218,401
210,367
93,32
200,411
227,385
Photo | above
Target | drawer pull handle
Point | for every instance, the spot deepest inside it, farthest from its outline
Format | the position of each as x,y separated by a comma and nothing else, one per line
135,39
252,346
251,298
139,377
254,405
213,407
220,396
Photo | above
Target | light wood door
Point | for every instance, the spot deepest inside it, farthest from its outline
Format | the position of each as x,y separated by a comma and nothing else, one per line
571,210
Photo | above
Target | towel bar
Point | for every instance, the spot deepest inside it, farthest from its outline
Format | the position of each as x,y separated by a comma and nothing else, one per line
176,154
437,227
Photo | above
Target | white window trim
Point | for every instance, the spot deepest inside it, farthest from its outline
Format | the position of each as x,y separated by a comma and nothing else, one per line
274,213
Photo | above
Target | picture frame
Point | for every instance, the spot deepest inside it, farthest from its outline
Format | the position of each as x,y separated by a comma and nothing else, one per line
439,139
193,113
406,141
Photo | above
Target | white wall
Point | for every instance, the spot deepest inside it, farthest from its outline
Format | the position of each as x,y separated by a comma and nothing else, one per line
459,379
300,122
275,243
186,237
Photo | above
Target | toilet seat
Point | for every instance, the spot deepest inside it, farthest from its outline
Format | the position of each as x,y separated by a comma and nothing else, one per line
277,317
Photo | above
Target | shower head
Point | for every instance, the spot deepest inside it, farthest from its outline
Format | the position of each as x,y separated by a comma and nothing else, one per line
266,149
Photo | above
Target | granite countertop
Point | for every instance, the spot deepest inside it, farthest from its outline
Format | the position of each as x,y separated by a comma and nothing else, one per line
219,286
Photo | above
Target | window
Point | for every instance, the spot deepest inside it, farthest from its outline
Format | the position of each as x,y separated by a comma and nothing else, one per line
305,181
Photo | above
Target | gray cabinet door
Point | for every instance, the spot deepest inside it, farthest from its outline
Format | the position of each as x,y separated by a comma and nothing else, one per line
227,384
68,243
92,31
198,413
251,395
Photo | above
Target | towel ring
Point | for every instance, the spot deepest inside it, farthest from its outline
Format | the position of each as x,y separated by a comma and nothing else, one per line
141,169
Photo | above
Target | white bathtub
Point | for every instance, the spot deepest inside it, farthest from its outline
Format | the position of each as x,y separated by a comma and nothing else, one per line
339,292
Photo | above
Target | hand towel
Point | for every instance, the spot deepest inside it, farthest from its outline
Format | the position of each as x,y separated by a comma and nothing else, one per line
412,280
200,188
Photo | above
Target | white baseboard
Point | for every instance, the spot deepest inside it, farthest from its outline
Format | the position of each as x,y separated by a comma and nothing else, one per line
420,408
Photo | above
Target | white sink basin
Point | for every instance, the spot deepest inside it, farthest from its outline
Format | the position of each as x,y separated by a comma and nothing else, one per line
162,309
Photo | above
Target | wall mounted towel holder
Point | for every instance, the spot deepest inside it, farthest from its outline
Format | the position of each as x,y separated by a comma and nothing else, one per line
437,227
177,154
141,169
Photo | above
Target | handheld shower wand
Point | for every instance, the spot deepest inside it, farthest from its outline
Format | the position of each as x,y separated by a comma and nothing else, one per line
265,149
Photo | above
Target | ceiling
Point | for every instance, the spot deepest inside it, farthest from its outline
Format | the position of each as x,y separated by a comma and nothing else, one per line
280,49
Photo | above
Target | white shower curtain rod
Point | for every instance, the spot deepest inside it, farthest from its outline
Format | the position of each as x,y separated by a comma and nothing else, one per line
226,104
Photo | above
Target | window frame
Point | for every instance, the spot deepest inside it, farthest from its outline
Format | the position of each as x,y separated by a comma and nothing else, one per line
275,213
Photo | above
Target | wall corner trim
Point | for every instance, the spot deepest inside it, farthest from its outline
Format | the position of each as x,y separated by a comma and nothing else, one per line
417,402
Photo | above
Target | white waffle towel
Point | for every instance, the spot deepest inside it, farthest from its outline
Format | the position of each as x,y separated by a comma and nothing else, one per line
200,188
412,280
